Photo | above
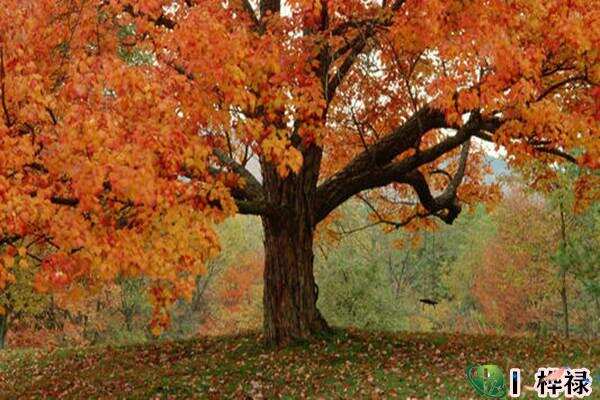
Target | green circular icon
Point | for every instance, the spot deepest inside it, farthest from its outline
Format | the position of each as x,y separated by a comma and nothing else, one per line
487,380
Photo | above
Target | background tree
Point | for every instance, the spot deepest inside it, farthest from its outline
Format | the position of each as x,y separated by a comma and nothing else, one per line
355,267
516,284
117,115
577,253
237,307
207,312
20,300
373,275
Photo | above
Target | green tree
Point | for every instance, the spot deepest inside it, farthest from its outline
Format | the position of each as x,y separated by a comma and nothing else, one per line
375,279
20,300
578,255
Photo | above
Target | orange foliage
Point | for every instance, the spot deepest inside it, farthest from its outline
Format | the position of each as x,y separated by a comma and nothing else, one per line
515,285
237,282
238,295
23,335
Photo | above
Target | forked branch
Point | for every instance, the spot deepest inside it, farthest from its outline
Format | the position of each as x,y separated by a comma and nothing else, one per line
446,206
376,167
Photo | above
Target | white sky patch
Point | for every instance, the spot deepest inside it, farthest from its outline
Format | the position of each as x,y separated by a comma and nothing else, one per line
492,149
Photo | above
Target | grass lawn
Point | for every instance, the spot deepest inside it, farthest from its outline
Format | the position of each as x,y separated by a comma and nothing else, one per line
349,364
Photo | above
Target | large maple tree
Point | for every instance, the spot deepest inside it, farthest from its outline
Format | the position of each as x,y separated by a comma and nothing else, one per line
130,127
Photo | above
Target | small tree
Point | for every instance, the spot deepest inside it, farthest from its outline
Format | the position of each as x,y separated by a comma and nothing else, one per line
20,299
578,254
515,285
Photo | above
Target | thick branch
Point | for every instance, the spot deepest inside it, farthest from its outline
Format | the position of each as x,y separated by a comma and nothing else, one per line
272,6
362,173
455,182
355,48
253,188
434,205
445,201
250,10
252,207
64,201
358,173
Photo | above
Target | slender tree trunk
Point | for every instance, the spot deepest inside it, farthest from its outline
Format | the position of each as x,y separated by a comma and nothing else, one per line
128,314
126,310
290,292
563,290
595,331
565,303
3,329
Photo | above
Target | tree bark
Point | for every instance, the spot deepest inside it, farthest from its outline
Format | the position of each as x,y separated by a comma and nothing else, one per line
290,292
3,329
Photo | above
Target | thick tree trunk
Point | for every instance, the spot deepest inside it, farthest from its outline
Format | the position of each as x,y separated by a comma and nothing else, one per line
290,292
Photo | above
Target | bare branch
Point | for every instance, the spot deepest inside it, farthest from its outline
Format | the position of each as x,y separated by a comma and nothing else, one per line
439,171
538,145
52,116
564,155
551,89
357,47
180,70
9,239
395,224
253,187
381,219
397,4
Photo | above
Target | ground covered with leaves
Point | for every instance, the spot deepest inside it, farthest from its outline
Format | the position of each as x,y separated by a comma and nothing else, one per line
349,364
